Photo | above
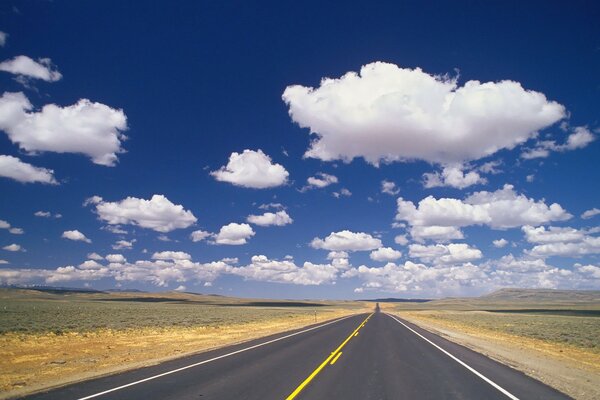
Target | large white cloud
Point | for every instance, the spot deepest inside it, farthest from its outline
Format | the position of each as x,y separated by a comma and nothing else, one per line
234,234
385,254
501,209
158,213
552,234
347,241
171,255
75,235
13,168
251,169
25,66
453,253
279,218
391,113
264,269
89,128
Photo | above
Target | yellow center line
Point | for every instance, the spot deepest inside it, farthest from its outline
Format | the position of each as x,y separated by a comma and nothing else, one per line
335,354
336,358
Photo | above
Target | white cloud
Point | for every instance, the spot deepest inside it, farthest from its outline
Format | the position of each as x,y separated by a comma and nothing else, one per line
264,269
579,139
321,180
46,214
13,247
530,178
4,262
280,218
234,234
16,231
275,206
588,245
452,253
491,167
435,233
401,240
13,168
3,37
116,258
590,213
76,236
24,66
342,193
453,176
395,114
339,259
89,128
180,288
389,187
552,234
501,209
158,213
171,255
200,235
251,169
123,245
4,224
385,254
95,256
500,243
347,241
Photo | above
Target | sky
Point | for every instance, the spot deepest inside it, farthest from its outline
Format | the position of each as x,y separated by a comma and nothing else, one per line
300,149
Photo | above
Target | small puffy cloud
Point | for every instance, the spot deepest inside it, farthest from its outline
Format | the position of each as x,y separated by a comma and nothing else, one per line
501,209
453,176
552,234
88,128
251,169
16,231
158,213
452,253
116,258
530,178
13,168
200,235
500,243
46,214
3,262
401,240
26,67
347,241
4,224
590,213
123,245
321,180
385,254
342,193
389,187
490,167
13,247
234,234
76,236
435,233
388,113
171,255
264,269
95,256
280,218
3,37
274,206
578,139
180,288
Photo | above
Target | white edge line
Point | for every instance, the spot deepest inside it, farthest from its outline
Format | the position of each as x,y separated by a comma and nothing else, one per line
212,359
494,384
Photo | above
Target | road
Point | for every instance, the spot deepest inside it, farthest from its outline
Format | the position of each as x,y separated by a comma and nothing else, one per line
368,356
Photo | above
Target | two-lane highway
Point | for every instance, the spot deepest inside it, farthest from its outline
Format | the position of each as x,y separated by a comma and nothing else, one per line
367,356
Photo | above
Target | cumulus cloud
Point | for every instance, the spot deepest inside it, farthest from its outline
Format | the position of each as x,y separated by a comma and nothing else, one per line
501,209
452,253
95,256
234,234
389,187
279,218
578,139
11,229
200,235
13,247
251,169
453,176
347,241
158,213
321,180
26,67
342,193
264,269
587,245
171,255
435,233
13,168
3,37
388,113
274,206
552,234
88,128
385,254
401,240
116,258
590,213
123,245
16,231
500,243
76,236
47,214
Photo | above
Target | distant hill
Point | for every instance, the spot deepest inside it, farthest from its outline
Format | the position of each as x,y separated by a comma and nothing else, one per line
397,300
510,294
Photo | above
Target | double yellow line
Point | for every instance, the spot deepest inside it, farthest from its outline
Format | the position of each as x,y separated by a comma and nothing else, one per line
333,357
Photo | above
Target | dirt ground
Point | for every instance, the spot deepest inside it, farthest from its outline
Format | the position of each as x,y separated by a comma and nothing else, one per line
573,371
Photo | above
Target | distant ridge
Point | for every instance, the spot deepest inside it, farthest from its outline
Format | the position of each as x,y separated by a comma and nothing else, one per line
397,300
543,295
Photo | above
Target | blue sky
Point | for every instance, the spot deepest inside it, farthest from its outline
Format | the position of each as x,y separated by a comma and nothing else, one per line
390,149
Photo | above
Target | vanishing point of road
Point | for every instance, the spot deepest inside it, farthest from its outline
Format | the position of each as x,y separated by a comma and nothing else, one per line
366,357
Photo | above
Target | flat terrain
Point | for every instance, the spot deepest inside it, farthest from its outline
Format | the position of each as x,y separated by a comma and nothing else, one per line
362,357
49,339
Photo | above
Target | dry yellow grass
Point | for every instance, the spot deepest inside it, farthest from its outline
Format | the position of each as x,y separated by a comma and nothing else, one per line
570,369
31,362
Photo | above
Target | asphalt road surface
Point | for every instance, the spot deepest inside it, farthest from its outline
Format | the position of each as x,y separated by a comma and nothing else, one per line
368,356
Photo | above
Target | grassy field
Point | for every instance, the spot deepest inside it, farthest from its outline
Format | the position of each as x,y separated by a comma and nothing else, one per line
48,339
